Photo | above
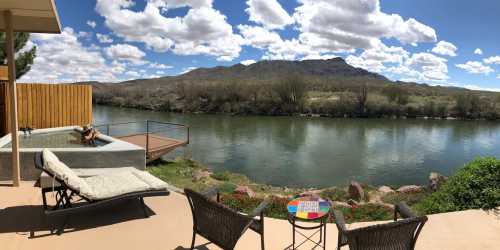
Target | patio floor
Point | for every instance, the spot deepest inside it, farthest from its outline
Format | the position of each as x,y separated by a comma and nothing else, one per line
23,226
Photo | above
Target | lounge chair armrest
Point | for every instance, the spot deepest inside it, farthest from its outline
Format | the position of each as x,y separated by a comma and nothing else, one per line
404,210
339,220
210,193
258,210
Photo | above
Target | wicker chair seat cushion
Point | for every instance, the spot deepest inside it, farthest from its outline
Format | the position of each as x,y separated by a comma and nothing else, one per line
57,168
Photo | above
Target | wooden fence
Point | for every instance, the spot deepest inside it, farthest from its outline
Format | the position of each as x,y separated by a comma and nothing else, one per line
47,105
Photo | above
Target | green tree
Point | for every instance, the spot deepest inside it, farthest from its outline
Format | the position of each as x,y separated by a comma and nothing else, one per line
24,59
396,94
362,98
467,104
291,90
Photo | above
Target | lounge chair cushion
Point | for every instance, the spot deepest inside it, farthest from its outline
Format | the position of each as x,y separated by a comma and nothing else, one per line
114,184
102,186
153,182
57,168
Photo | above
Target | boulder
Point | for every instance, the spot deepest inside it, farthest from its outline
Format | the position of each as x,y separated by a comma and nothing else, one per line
312,193
352,203
200,174
385,190
337,204
410,189
356,191
436,180
244,190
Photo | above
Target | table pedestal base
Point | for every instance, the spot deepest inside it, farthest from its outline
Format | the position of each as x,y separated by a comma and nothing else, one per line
321,229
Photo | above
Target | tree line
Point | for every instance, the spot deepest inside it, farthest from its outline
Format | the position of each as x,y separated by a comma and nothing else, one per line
298,95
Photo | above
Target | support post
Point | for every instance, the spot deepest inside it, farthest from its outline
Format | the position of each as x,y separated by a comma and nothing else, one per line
147,138
16,173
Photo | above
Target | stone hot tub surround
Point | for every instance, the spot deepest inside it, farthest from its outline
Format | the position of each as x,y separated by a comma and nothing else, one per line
109,153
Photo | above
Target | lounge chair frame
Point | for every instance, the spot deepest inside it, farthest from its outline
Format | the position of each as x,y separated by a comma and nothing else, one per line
64,195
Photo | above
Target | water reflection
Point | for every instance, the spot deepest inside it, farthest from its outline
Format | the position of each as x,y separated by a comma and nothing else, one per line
323,152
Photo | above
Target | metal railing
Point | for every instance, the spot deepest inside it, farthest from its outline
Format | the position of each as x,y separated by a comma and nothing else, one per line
147,127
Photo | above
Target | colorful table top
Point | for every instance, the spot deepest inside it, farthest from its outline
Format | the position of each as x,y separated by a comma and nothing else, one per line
309,208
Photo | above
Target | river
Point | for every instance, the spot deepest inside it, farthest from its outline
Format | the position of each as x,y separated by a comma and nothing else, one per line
320,152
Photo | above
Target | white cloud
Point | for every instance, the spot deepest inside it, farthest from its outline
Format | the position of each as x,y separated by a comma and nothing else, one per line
62,58
400,64
427,66
150,76
172,4
125,52
91,23
186,70
344,25
202,31
160,72
288,50
258,37
318,57
356,24
275,47
133,74
118,67
478,51
155,65
103,38
477,87
492,60
374,59
248,62
445,48
370,65
84,34
475,67
269,13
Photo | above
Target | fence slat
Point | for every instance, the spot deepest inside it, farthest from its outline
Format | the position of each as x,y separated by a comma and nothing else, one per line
47,105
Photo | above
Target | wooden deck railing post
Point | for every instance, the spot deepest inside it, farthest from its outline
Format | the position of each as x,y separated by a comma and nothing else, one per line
147,138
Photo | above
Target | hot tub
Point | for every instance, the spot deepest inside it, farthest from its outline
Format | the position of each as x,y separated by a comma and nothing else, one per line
108,152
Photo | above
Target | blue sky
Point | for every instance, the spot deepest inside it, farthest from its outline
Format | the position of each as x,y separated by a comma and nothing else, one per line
446,42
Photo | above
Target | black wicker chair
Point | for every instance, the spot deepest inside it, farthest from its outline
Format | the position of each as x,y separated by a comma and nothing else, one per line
218,223
397,235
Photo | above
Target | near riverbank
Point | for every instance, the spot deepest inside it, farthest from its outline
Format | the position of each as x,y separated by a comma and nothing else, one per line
359,202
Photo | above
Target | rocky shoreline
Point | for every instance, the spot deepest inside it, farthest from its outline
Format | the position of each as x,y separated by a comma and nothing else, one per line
237,188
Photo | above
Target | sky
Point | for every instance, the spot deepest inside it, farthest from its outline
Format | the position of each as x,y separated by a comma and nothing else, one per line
445,42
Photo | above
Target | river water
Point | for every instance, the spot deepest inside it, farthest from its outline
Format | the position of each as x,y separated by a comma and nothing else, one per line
320,152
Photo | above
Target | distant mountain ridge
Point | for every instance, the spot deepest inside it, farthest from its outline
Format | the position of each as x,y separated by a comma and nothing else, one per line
270,69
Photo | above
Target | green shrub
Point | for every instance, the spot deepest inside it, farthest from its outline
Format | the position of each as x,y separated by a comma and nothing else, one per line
275,209
334,194
409,198
222,176
476,185
226,187
366,212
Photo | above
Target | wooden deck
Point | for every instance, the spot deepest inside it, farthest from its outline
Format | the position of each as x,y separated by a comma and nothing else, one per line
157,145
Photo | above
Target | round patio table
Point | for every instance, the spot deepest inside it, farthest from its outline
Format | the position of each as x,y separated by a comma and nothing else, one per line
309,209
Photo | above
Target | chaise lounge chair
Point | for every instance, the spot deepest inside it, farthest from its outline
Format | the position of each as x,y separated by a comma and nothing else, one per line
95,191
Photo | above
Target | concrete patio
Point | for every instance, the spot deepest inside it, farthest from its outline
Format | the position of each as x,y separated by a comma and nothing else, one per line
23,226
